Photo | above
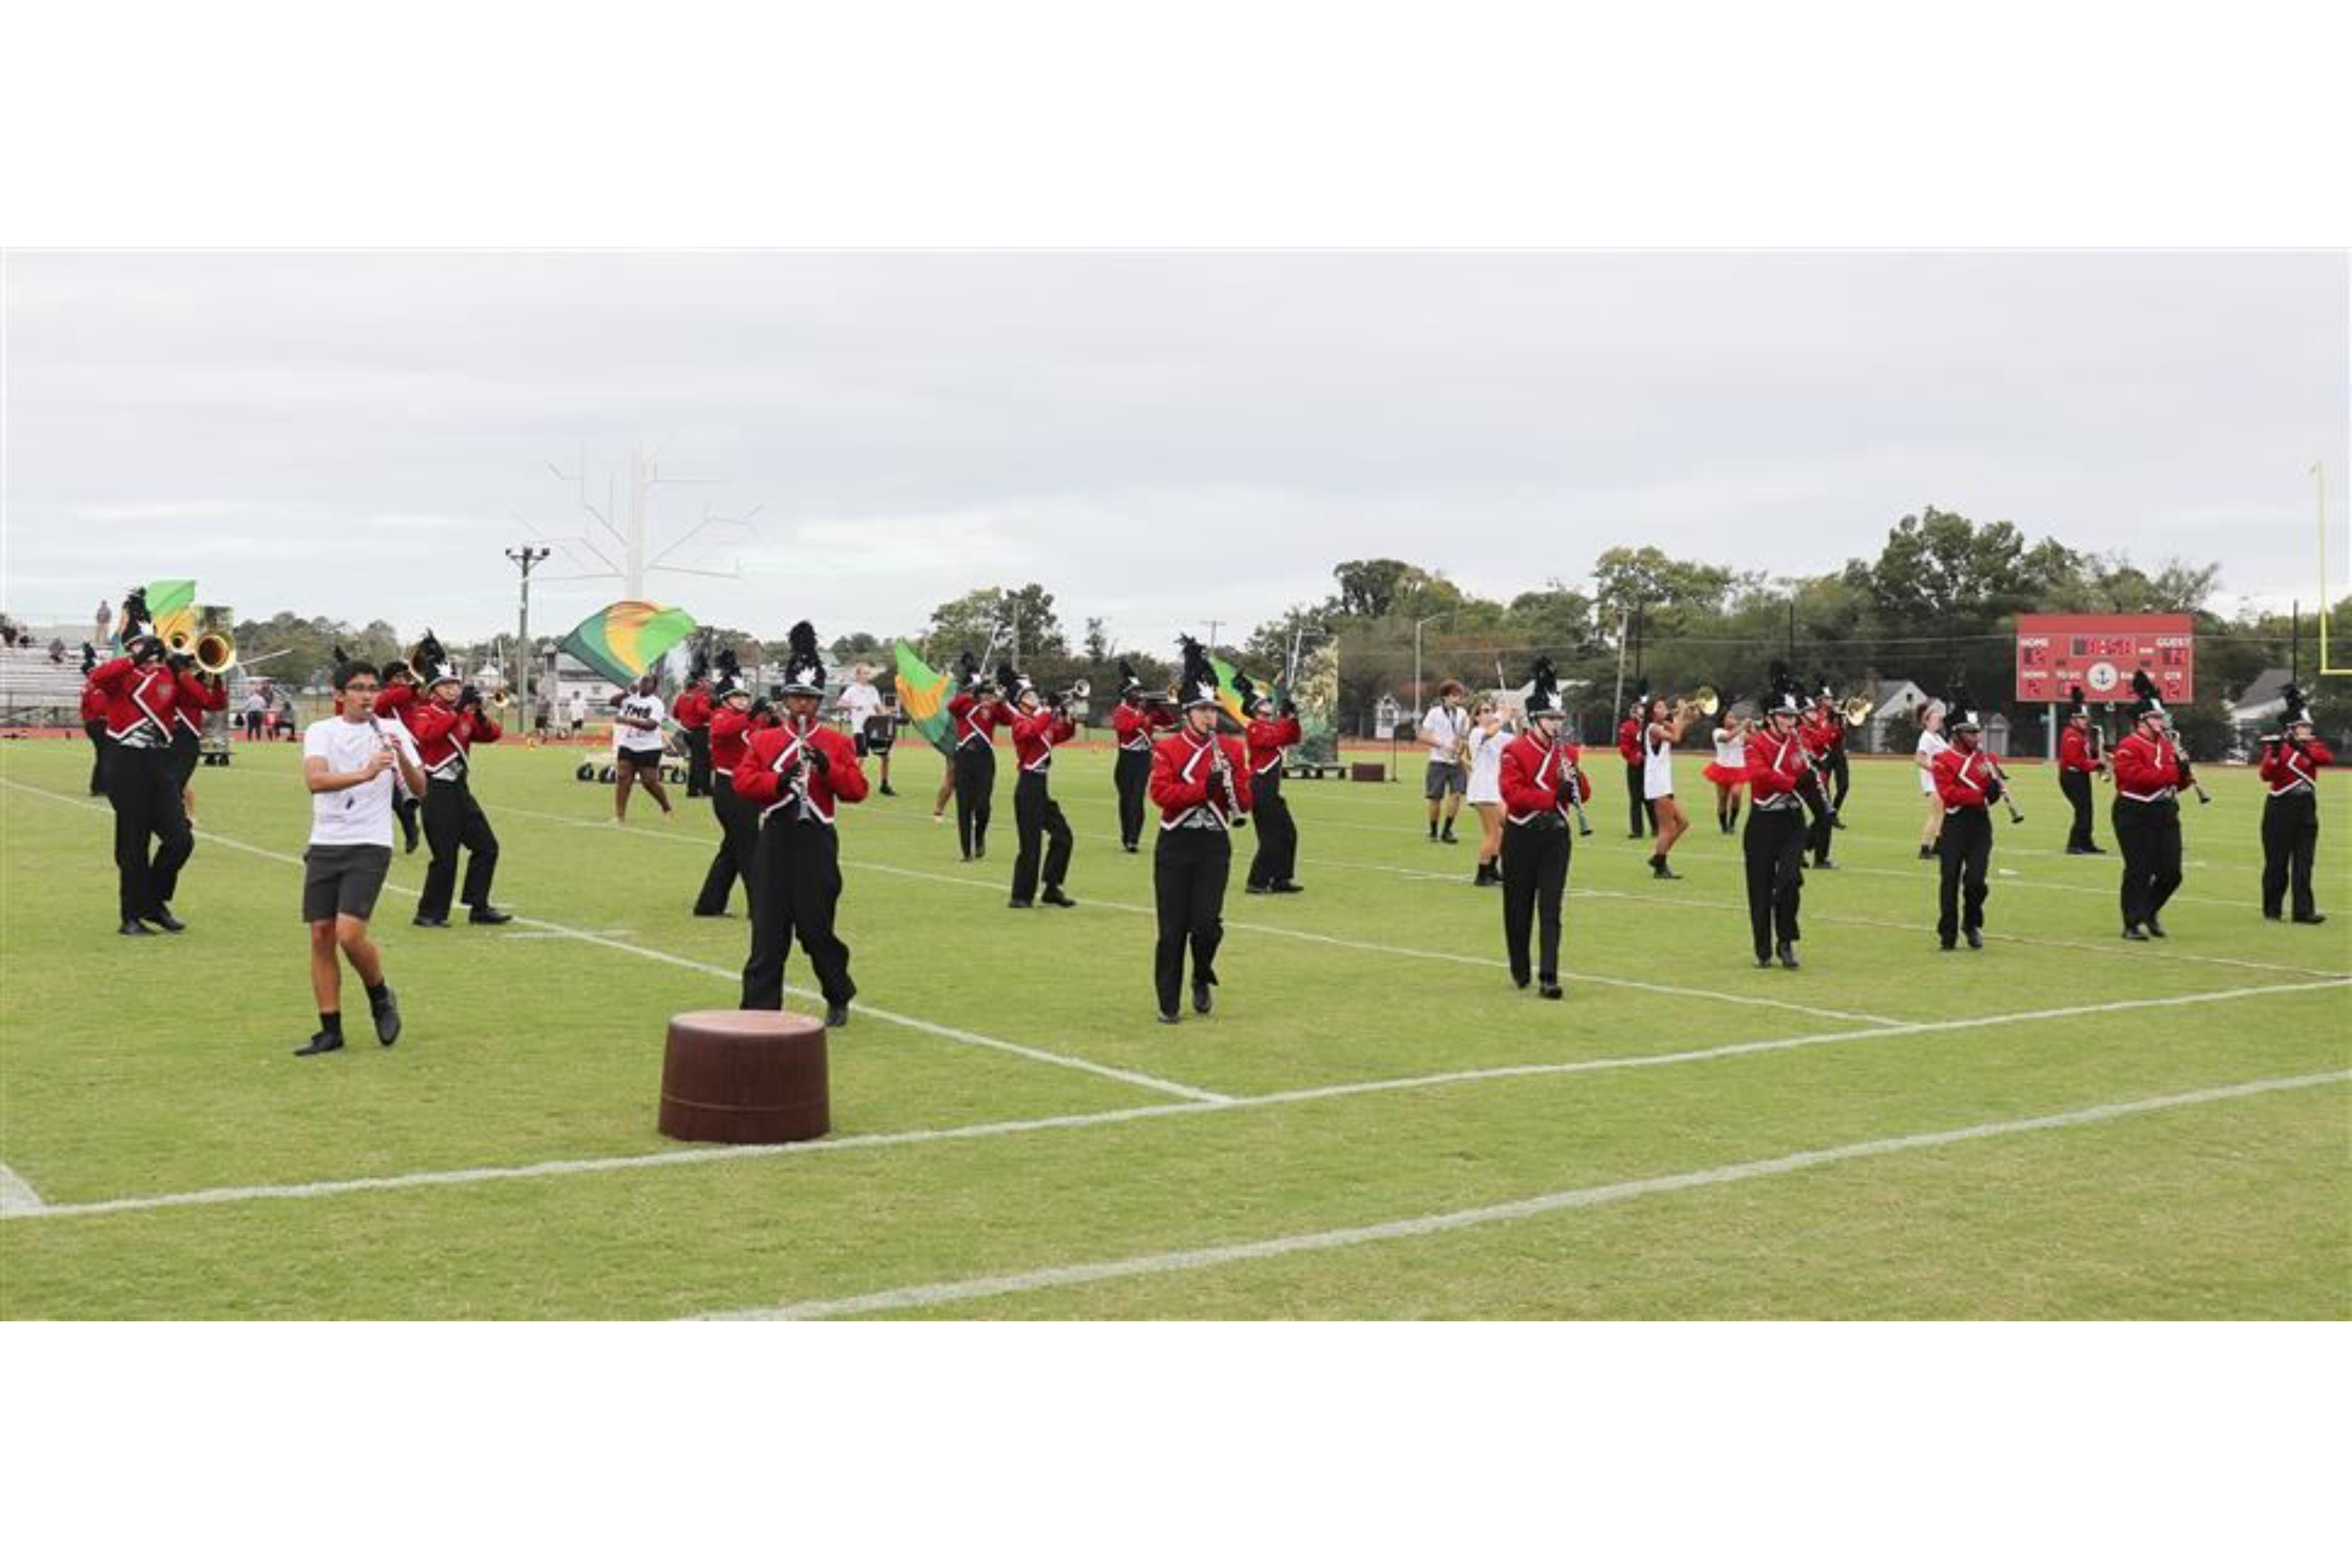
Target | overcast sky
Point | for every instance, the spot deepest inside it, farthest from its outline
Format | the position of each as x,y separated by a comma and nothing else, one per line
1159,439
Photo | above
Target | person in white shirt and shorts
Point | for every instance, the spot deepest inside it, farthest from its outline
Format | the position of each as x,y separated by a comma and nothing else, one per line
1445,730
1931,743
637,748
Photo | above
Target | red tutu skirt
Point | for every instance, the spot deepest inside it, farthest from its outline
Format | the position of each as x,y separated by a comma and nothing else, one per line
1721,774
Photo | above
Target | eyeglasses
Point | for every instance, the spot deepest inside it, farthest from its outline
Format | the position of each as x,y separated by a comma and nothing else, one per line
362,686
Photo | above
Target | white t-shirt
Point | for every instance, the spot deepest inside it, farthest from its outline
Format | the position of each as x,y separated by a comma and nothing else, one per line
578,709
362,813
631,738
861,702
1657,766
1486,767
1730,749
1931,746
1445,730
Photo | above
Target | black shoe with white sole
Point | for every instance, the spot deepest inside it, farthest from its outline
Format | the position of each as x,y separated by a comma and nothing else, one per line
321,1043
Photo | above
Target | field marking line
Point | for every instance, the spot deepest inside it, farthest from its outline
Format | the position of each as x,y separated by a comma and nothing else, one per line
706,1155
17,1195
915,1296
920,1026
1837,1014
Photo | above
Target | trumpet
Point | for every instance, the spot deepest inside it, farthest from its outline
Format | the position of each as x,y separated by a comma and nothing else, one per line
1705,702
1856,710
1075,696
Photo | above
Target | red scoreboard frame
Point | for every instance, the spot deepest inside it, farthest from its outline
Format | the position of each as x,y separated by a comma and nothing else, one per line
2098,653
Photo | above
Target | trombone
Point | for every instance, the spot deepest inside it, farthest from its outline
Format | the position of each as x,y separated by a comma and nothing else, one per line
1856,710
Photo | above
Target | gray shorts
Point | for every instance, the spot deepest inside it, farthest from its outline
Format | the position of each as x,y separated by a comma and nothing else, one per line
343,879
1442,780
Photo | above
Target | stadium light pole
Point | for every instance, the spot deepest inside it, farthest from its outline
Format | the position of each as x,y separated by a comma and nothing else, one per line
525,557
1426,620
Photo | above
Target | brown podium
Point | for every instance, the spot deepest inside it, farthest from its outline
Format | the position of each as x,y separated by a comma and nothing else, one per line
744,1077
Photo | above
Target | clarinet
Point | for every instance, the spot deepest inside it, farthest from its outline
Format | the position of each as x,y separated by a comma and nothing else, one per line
1234,816
797,780
2007,799
1573,782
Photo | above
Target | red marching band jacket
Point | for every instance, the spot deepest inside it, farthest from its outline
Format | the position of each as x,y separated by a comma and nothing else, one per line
1034,736
693,709
444,735
1962,779
976,722
1629,742
1132,727
198,698
1265,738
1823,733
2148,770
1184,780
728,732
135,697
771,755
93,703
1535,776
2075,752
1776,765
2287,767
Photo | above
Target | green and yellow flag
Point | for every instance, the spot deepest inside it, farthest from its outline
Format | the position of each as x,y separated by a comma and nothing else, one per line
622,641
171,605
923,694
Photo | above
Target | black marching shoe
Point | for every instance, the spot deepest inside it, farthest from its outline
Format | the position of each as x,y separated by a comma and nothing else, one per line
1976,938
1789,955
134,928
2155,928
2133,934
2272,915
836,1015
1549,991
321,1043
432,922
1059,900
887,789
2094,850
710,914
1295,887
2313,918
491,915
1254,890
161,916
1019,903
1171,1018
387,1016
1132,848
1202,999
1520,983
1823,863
1763,960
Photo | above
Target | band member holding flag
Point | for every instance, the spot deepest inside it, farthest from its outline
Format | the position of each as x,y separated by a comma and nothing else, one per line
447,725
2080,757
1201,783
1774,843
1269,731
2291,762
1541,784
2150,773
1970,781
732,720
792,777
1036,731
142,695
1133,724
975,712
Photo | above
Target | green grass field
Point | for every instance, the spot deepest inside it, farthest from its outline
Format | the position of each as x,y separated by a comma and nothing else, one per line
1373,1123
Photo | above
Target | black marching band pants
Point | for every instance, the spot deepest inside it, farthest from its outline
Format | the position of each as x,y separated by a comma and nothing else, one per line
738,847
698,763
143,787
98,746
1277,859
2290,840
453,821
1133,772
2076,786
795,883
2148,833
1636,809
1188,870
1038,819
975,781
1823,804
1774,845
186,749
1535,880
1966,850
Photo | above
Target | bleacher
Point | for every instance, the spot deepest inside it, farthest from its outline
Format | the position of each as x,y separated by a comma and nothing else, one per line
34,692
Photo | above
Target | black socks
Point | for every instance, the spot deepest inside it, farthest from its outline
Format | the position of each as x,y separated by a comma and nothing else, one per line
331,1023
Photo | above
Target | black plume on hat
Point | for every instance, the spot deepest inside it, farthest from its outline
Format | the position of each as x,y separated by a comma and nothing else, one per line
2298,706
433,665
136,621
1011,681
1786,698
1964,715
731,675
1543,689
1128,681
2082,705
967,666
89,659
2150,700
700,668
1246,690
803,664
1197,686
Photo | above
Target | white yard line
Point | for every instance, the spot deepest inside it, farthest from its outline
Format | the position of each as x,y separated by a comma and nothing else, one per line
698,1156
918,1296
920,1026
17,1195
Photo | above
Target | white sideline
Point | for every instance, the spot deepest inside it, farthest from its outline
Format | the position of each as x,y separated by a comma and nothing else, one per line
914,1296
922,1026
1839,1015
17,1195
1132,1113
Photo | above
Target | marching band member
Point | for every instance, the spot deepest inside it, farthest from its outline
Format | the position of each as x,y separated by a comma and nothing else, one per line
1488,739
446,726
692,713
1270,868
1445,730
791,776
1629,746
143,697
2149,772
93,721
1727,772
1540,780
2079,757
1931,743
1132,725
351,761
393,702
1201,783
1969,782
2291,762
1823,732
1662,731
976,712
732,722
1036,731
1774,846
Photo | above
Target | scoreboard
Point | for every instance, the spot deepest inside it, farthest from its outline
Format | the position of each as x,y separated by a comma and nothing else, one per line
2098,653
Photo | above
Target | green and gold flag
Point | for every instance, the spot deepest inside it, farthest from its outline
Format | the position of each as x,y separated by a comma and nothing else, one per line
622,641
923,694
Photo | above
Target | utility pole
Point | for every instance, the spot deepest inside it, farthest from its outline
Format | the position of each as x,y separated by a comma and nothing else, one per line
525,557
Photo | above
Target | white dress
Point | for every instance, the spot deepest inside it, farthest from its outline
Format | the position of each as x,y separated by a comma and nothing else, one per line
1486,767
1931,746
1658,768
